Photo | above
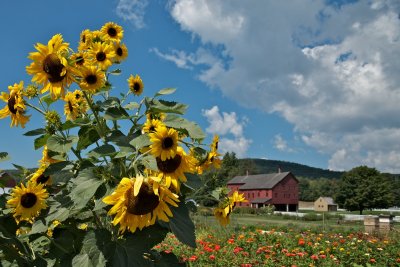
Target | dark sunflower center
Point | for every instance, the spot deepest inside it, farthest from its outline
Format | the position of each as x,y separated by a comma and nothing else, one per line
112,32
101,56
145,202
28,200
152,129
11,104
91,79
42,179
53,67
70,106
168,142
170,165
77,96
79,61
119,51
84,39
136,87
216,145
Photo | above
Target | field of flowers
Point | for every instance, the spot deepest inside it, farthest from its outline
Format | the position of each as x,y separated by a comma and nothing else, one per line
247,246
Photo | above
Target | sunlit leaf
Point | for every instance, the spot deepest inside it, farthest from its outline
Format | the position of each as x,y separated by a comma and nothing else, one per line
35,132
165,91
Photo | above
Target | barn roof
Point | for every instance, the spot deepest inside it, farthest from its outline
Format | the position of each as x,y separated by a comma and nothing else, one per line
260,200
265,181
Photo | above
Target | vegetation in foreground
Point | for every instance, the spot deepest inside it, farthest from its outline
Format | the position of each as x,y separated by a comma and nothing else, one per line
248,246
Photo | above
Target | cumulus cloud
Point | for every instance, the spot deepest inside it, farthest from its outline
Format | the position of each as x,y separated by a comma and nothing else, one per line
230,130
133,11
281,144
330,70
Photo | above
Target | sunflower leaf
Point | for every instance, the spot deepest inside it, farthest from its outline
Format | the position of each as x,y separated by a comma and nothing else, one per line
4,156
41,141
141,141
84,186
82,260
182,226
116,113
165,91
56,167
35,132
87,136
132,105
59,144
92,244
190,128
47,99
116,72
155,105
101,151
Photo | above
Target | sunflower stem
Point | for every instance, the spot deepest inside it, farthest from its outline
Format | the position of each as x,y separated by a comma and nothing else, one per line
76,153
36,108
97,220
89,101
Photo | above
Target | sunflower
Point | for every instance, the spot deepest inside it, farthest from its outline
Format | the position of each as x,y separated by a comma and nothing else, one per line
222,215
15,107
112,31
151,125
173,170
92,79
50,67
164,142
121,52
71,107
135,84
27,202
102,55
85,40
46,159
214,145
136,205
39,178
236,197
79,59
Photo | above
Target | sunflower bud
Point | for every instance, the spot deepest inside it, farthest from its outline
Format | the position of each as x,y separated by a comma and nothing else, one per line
53,121
31,91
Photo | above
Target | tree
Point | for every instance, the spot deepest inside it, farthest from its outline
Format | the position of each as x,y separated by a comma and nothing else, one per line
364,188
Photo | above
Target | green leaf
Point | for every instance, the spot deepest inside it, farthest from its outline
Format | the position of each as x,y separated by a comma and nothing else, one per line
165,106
4,156
38,227
35,132
41,141
56,167
193,181
190,128
92,245
182,226
116,72
82,260
87,136
149,162
102,151
84,186
132,105
141,141
116,113
59,144
165,91
47,99
129,251
76,123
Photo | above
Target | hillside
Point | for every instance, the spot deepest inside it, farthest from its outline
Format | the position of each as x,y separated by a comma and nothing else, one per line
299,170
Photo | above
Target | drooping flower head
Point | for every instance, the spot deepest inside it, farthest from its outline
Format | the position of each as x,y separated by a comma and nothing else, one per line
151,125
172,170
50,66
27,201
164,142
135,84
75,105
15,107
222,213
136,203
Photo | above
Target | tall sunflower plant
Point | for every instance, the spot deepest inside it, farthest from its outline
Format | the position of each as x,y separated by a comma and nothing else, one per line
115,172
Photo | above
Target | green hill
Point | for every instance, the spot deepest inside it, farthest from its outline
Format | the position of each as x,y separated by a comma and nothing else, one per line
258,166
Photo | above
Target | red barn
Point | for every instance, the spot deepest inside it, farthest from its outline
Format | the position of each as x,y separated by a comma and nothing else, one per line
278,189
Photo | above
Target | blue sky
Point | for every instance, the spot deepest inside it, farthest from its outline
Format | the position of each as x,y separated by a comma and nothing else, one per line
314,82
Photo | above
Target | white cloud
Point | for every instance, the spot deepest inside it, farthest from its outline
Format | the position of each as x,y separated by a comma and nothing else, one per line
230,130
333,72
133,11
281,144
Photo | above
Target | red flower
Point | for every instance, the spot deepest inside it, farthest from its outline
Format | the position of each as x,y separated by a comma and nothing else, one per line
245,265
231,241
372,260
301,242
212,257
314,257
217,247
193,258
